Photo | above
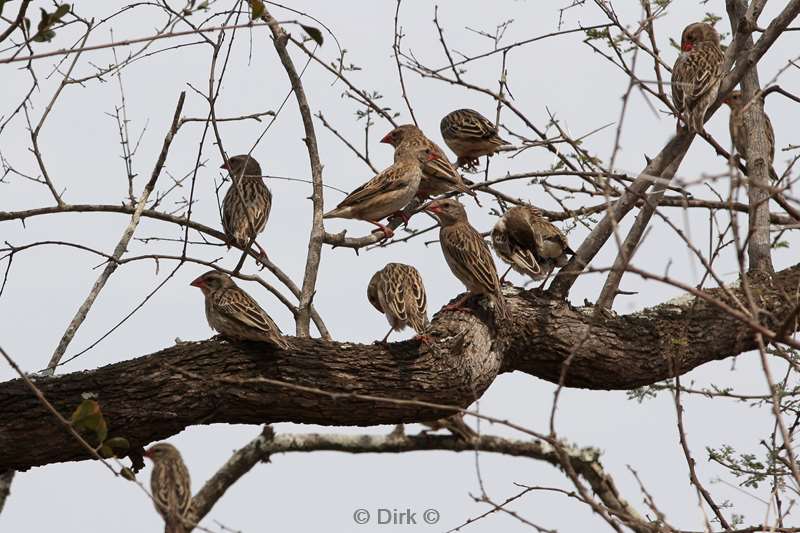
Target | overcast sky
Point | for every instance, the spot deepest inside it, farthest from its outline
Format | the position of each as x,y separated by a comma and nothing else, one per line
306,492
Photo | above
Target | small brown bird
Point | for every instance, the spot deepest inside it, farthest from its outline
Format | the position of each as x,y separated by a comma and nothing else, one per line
530,243
737,104
246,206
470,135
387,193
170,486
454,424
467,254
398,292
697,73
234,313
439,176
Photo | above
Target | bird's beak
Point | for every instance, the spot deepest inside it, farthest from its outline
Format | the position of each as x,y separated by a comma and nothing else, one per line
225,166
387,139
432,156
198,283
435,209
148,453
687,47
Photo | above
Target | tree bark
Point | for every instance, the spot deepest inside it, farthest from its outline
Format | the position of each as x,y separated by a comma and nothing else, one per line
338,383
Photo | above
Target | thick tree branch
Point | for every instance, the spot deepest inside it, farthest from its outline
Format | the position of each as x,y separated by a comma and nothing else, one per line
335,383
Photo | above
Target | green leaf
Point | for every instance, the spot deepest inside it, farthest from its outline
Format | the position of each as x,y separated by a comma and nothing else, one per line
257,9
105,451
120,445
127,473
60,11
313,32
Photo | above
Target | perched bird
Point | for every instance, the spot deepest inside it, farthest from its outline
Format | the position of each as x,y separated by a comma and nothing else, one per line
454,424
246,206
170,486
470,135
697,73
439,176
530,243
466,254
397,291
737,104
234,313
388,192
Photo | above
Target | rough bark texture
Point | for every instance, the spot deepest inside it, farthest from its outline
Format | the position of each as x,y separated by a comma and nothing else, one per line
152,397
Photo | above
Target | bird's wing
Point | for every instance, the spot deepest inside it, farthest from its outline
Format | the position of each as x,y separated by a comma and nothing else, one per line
467,248
394,178
239,306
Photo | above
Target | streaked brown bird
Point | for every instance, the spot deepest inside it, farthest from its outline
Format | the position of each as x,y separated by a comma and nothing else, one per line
737,103
170,486
528,242
387,193
439,176
397,291
454,424
246,206
470,135
467,254
697,73
234,313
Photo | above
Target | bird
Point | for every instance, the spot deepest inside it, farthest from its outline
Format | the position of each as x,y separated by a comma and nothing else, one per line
470,135
454,424
387,193
697,73
246,206
737,103
170,486
439,176
529,243
234,313
397,291
466,254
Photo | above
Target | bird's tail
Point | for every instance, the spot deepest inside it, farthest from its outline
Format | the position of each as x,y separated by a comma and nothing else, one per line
501,306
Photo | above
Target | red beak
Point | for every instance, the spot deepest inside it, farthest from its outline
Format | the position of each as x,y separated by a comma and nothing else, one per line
432,156
687,47
199,283
387,139
433,209
147,453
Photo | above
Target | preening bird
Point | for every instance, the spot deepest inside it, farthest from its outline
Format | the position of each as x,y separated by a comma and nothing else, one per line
234,313
388,192
467,254
170,486
439,176
454,424
246,206
529,243
470,135
737,103
397,291
697,73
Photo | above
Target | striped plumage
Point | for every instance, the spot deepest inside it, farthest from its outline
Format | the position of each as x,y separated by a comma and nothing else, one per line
697,73
246,206
170,485
470,135
397,291
467,254
234,313
737,104
530,243
387,193
439,176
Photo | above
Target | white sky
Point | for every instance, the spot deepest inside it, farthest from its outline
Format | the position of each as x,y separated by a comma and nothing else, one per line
304,492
